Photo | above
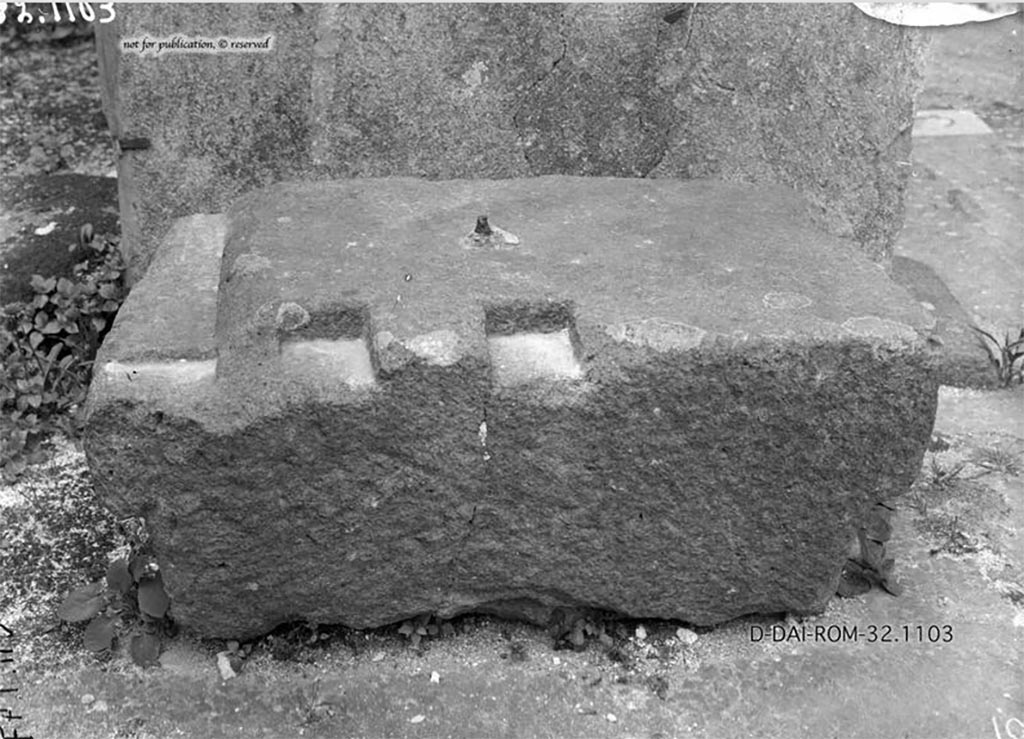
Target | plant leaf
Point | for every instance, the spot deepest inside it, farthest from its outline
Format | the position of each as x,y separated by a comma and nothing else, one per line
144,649
892,587
99,634
138,565
153,600
82,603
41,285
118,577
993,353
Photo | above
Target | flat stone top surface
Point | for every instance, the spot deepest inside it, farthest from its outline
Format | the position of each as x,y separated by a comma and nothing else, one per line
715,257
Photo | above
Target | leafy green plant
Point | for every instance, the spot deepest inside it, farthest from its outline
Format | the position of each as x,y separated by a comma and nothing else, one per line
130,598
943,477
957,541
48,346
572,633
872,567
423,626
997,459
1006,356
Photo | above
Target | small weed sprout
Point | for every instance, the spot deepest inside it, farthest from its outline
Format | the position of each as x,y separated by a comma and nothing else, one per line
941,477
312,704
997,459
1007,357
424,626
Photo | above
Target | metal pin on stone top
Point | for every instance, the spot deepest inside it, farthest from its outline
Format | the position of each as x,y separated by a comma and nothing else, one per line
486,235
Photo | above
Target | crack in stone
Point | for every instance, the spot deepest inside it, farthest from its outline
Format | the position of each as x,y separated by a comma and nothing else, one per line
904,130
687,14
688,30
537,83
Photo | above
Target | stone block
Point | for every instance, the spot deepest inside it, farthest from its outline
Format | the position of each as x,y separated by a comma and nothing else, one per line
817,97
357,401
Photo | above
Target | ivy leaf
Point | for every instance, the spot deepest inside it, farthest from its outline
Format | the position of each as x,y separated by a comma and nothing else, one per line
144,649
853,581
61,31
14,467
98,323
41,285
892,587
82,603
118,577
99,634
138,566
153,600
52,327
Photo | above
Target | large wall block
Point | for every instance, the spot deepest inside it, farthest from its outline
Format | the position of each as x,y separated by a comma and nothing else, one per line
818,97
362,400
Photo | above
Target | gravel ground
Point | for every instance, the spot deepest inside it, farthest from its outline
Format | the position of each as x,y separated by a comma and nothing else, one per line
51,121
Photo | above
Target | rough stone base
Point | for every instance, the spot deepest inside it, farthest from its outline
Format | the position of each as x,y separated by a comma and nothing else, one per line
345,402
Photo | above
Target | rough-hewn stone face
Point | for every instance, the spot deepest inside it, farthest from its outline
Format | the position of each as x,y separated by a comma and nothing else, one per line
818,97
369,410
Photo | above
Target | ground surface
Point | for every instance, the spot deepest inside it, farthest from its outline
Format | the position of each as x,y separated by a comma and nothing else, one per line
957,542
56,159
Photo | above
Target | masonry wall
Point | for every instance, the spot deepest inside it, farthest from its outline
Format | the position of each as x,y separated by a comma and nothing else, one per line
818,97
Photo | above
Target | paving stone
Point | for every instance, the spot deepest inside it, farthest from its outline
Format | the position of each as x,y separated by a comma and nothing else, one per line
347,402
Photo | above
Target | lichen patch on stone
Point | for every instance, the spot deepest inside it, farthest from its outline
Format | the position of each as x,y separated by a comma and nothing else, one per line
659,334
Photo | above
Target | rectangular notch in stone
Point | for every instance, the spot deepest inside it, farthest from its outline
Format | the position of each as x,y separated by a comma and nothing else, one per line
330,347
531,341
